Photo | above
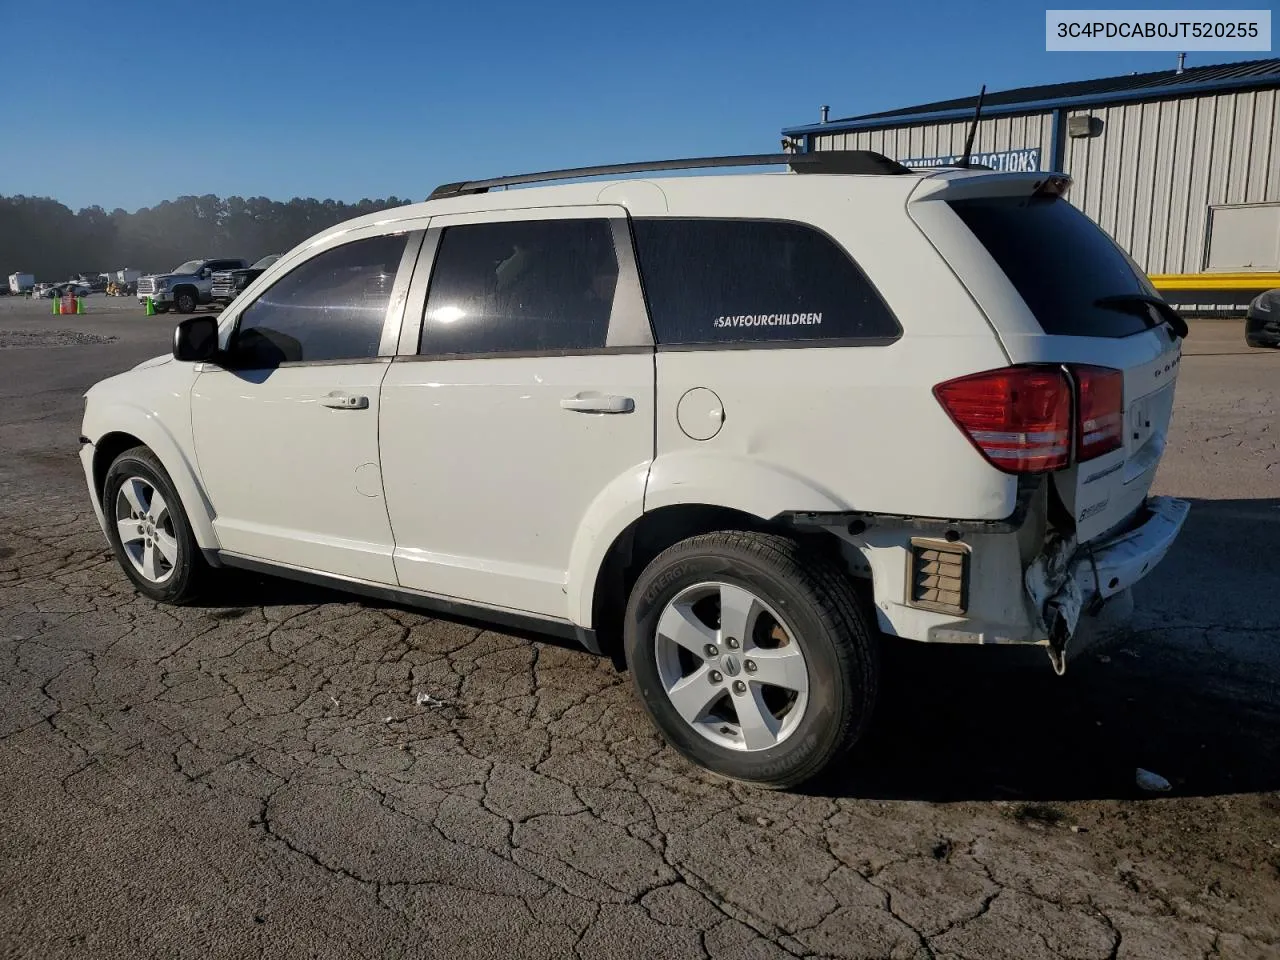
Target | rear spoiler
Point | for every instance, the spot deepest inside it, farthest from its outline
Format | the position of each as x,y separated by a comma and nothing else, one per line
963,184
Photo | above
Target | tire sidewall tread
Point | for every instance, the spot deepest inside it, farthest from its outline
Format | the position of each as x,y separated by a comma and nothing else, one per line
816,598
190,572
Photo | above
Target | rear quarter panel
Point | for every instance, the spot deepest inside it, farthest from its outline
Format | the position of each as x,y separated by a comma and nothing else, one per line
857,424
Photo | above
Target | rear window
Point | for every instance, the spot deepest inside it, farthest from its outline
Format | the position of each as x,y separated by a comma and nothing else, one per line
714,282
1061,263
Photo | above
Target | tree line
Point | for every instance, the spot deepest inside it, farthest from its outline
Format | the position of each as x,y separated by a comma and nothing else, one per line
41,236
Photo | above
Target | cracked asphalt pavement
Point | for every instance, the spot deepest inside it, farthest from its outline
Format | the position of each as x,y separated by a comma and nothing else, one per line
258,778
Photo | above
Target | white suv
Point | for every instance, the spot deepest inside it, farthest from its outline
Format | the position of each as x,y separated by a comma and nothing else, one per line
732,428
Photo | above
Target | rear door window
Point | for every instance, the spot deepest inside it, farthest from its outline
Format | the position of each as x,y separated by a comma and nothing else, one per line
711,281
1062,264
524,286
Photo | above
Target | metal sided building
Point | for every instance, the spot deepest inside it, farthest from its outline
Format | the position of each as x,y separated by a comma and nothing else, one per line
1180,166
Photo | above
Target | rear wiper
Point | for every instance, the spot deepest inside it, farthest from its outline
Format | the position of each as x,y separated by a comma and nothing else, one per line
1122,301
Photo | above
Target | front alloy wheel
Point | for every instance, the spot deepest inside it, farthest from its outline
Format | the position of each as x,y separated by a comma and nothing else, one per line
149,531
146,531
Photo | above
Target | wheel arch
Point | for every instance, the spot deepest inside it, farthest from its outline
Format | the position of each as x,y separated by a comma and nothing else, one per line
132,428
679,495
178,288
105,451
642,540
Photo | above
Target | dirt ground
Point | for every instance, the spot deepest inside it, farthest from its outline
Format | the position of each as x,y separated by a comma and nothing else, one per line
258,779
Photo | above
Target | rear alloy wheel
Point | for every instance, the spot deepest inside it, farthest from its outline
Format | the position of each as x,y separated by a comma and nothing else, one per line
742,694
148,529
752,656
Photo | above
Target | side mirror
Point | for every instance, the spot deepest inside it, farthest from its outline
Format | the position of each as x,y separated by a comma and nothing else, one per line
206,273
195,339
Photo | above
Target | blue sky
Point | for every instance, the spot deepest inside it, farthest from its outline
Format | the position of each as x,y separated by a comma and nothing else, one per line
377,97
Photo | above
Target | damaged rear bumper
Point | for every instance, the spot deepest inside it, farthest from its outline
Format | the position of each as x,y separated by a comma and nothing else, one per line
1071,579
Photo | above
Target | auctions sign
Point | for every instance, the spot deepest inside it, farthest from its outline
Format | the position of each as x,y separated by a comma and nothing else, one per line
1016,161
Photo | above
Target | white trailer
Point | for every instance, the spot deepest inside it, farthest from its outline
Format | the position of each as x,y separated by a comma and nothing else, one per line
127,276
21,282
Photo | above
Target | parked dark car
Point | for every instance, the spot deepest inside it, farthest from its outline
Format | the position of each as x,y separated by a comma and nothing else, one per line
94,281
1262,322
227,284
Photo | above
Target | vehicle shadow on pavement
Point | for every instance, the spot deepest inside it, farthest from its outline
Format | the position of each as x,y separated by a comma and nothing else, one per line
955,728
1191,692
240,591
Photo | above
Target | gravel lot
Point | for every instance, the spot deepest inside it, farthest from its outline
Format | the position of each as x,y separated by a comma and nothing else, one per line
258,779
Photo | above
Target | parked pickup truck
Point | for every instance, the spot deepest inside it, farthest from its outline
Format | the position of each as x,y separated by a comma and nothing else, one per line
227,284
186,286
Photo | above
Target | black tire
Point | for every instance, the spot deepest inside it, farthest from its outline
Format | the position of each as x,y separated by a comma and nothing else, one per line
816,597
185,301
190,574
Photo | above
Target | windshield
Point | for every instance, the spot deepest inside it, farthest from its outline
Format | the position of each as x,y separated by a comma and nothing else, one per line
1063,265
266,261
191,266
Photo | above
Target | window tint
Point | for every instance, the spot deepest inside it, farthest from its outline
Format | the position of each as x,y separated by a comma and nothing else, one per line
225,265
331,307
1061,263
735,281
522,286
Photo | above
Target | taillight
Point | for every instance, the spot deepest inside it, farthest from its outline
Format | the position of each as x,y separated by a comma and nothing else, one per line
1100,425
1018,417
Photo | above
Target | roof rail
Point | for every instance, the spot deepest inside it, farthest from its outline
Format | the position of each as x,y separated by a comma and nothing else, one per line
822,161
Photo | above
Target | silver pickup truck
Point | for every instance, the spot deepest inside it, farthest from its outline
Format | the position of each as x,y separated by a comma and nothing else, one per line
186,286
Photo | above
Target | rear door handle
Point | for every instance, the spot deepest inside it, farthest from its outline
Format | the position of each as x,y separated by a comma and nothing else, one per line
598,403
340,400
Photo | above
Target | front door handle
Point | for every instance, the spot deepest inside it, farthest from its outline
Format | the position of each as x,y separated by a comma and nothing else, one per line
340,400
598,403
